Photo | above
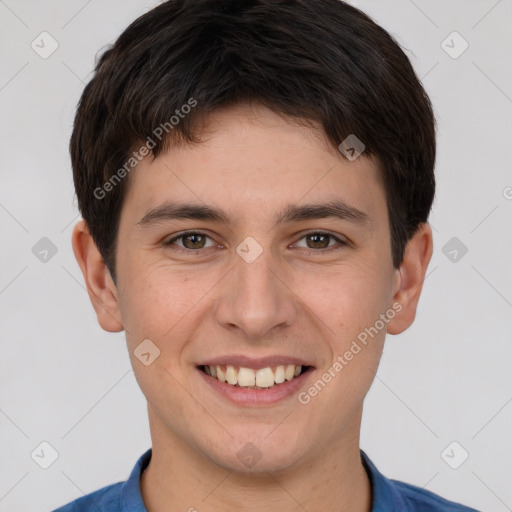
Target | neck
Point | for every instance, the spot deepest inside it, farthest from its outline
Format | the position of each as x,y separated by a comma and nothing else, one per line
179,478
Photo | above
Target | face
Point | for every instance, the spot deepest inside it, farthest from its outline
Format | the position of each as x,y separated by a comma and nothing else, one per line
270,281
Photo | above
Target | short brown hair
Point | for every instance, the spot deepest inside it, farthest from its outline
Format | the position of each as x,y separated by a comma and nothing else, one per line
317,60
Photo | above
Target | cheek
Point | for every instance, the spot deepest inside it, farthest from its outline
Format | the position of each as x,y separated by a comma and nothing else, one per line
349,302
347,298
165,305
151,304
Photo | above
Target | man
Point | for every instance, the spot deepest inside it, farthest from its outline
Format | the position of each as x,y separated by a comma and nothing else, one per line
255,180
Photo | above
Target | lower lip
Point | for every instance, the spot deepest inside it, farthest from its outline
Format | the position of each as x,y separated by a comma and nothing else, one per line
256,397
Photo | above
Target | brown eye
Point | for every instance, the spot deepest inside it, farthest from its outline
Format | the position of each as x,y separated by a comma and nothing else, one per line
193,241
188,241
318,241
321,242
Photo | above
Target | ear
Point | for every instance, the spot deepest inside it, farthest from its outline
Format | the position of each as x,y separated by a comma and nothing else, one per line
100,286
409,278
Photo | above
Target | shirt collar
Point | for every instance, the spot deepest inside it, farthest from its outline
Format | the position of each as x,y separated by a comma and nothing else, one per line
385,496
131,497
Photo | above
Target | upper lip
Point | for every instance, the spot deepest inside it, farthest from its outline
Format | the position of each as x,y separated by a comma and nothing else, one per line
254,362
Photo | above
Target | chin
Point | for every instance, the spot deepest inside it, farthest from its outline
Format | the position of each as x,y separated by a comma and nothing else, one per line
257,450
251,460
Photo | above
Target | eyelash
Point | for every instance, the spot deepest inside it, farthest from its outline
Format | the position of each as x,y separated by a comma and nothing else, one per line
341,243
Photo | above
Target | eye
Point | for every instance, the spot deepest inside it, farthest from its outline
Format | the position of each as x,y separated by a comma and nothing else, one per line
191,240
318,240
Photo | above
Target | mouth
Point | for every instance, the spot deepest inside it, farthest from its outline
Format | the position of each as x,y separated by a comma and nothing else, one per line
260,378
255,381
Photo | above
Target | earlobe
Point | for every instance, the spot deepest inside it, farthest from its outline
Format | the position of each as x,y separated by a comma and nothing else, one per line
410,277
100,287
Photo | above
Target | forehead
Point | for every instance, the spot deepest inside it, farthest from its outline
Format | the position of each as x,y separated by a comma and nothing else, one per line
256,162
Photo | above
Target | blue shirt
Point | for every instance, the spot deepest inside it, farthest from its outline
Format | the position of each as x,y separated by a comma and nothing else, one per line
388,495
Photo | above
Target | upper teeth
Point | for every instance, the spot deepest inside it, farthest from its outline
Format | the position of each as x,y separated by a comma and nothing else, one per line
247,377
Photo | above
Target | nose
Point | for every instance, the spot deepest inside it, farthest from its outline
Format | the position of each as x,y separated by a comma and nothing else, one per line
256,298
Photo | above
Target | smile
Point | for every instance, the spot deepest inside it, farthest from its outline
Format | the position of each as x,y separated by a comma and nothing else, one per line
255,381
262,378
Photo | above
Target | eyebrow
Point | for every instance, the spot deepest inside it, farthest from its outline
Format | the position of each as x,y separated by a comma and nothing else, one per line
292,213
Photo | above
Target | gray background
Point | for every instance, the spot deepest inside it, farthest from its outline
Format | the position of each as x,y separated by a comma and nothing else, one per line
446,379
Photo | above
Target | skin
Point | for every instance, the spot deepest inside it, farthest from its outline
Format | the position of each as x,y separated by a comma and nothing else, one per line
210,302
